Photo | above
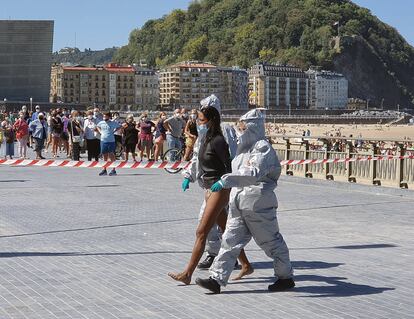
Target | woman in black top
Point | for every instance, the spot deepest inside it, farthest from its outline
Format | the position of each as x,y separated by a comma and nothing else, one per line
130,137
56,128
214,162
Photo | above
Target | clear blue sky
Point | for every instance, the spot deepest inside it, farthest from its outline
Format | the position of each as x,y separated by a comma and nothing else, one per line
98,24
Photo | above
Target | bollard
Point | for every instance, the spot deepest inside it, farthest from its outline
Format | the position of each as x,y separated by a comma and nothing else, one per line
399,173
348,165
307,156
373,166
286,169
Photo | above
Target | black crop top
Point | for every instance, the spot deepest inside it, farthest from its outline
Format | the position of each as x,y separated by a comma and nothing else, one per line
214,160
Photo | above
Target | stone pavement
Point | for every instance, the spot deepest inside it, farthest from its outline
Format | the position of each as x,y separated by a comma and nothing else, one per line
75,245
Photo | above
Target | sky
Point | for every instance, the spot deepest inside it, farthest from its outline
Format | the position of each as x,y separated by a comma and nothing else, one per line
97,25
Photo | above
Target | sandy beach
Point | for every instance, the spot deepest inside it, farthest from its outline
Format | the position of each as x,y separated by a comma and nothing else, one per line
366,131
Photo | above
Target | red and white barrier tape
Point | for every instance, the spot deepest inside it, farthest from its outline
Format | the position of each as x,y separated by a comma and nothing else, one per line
86,164
179,164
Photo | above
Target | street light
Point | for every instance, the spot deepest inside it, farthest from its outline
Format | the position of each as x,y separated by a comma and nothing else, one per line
31,104
368,104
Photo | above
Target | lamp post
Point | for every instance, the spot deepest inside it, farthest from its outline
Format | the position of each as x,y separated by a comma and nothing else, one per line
368,104
4,105
31,104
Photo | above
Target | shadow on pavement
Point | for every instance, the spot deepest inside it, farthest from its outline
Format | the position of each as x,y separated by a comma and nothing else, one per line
369,246
331,287
298,265
14,180
100,227
361,246
80,254
336,287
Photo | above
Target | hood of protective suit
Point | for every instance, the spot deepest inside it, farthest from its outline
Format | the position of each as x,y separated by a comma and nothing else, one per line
212,101
255,130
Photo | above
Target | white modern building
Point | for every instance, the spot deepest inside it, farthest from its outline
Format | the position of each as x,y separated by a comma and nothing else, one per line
328,90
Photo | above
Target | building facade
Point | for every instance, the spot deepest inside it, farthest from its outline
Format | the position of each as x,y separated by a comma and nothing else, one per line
185,84
112,86
25,59
280,87
328,90
233,92
146,88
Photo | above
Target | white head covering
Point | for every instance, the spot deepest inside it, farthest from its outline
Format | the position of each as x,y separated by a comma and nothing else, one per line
212,101
255,130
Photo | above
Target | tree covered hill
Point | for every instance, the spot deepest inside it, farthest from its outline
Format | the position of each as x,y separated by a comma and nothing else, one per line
86,57
300,32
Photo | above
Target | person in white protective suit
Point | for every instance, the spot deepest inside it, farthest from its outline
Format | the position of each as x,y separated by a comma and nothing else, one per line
253,204
212,211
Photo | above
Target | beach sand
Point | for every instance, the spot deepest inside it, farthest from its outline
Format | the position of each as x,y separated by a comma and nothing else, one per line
393,132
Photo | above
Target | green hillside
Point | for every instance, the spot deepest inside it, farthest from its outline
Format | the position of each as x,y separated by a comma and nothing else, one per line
86,57
300,32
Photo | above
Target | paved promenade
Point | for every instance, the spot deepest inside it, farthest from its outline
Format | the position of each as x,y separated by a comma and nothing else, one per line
75,245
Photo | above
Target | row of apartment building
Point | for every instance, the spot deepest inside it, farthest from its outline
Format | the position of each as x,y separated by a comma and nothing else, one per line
185,84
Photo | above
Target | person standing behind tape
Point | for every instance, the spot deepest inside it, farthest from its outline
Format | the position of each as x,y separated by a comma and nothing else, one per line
253,203
106,129
91,137
22,134
174,126
75,135
38,128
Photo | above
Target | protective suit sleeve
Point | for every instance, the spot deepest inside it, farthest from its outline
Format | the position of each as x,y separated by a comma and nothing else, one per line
254,169
191,171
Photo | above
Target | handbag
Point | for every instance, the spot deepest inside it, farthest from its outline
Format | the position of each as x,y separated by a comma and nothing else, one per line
76,139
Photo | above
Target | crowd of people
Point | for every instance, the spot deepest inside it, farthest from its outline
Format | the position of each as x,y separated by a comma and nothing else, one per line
95,135
236,167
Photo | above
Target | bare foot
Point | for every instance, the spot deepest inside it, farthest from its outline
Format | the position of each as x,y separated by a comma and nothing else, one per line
184,278
244,272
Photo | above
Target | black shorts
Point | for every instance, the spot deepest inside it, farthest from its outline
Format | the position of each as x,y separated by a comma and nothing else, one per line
130,148
65,136
118,139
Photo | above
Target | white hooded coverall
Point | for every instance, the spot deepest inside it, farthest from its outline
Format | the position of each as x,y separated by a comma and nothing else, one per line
255,171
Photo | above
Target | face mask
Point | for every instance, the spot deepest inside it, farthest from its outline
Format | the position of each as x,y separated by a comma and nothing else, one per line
202,129
193,116
96,113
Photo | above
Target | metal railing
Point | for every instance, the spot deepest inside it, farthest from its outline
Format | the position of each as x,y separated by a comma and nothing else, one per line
394,173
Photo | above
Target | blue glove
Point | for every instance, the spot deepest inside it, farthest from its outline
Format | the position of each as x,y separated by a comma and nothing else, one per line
218,186
186,184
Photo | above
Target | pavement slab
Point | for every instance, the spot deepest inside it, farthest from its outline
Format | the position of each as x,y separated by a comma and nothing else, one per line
76,245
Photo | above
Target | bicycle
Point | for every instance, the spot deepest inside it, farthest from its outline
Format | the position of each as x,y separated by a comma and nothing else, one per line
174,155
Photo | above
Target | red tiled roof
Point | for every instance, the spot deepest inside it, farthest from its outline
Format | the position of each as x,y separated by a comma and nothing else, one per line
80,68
127,69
